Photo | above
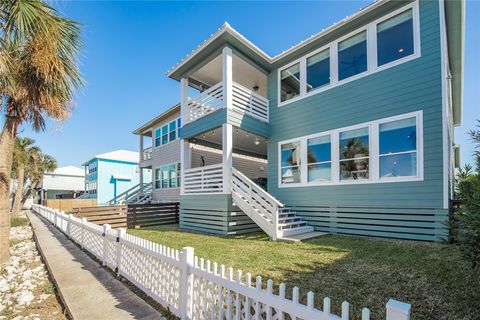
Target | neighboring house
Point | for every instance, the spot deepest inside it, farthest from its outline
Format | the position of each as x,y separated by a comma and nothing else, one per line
109,175
63,183
355,123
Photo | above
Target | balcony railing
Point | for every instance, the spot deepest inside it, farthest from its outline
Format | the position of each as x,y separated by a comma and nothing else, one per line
208,179
147,154
244,100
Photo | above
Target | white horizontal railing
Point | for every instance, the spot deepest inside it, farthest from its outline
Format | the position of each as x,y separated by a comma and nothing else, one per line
193,288
250,102
147,154
208,179
244,100
257,203
206,102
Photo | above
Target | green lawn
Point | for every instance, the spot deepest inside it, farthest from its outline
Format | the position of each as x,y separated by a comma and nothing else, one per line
365,272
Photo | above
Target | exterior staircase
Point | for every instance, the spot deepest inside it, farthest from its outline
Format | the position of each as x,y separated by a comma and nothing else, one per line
267,212
135,194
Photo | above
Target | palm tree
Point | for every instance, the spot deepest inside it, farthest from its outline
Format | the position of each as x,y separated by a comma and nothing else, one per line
38,78
41,164
24,149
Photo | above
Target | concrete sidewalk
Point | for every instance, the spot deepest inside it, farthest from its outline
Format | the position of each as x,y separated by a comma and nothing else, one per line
87,290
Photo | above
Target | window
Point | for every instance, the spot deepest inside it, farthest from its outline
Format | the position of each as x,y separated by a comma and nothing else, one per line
318,70
395,38
352,56
168,133
384,150
291,162
319,156
165,134
380,44
290,82
167,176
157,138
353,153
398,148
173,130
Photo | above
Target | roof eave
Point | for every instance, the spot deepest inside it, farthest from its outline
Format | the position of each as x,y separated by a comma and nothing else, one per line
151,122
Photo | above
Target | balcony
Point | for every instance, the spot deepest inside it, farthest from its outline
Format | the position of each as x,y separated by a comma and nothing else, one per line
147,154
201,180
227,81
244,100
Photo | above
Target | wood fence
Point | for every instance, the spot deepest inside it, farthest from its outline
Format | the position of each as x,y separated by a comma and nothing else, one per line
69,204
195,288
116,216
147,215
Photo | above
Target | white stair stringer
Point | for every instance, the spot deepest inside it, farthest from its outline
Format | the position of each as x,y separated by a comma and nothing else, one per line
266,211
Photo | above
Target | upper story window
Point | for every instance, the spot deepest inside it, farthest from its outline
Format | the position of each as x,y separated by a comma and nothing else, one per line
395,38
318,70
384,43
384,150
290,83
352,56
167,133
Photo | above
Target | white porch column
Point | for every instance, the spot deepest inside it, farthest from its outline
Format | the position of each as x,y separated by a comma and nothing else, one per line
227,76
185,161
227,148
140,168
184,100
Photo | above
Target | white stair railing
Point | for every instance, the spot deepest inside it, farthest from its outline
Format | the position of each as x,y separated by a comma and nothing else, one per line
258,204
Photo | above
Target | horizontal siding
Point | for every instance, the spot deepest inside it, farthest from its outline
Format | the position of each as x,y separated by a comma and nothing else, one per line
248,123
169,153
408,87
211,121
213,214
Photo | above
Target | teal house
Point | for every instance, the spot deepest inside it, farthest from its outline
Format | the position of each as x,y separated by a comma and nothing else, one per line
109,175
348,132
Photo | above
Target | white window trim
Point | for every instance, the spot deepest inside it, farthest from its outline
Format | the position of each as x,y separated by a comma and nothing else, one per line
371,30
374,157
168,133
160,167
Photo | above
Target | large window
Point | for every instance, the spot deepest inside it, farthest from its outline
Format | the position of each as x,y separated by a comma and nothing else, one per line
167,176
290,82
352,56
291,162
319,158
398,148
354,154
383,43
318,70
167,133
395,38
384,150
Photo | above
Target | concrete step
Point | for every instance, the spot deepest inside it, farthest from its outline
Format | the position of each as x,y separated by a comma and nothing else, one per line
294,231
302,236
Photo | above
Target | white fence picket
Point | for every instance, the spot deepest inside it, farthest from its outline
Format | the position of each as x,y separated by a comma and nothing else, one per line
188,286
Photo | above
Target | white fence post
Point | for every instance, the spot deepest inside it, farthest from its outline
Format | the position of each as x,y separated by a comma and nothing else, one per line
120,234
186,291
106,227
82,239
69,225
397,310
55,218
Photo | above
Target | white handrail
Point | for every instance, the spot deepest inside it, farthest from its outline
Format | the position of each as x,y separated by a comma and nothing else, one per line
208,179
258,204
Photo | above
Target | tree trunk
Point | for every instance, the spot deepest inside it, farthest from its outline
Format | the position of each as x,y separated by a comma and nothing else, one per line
27,194
7,142
17,200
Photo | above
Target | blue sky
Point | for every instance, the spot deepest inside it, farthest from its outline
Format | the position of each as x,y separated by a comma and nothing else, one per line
128,47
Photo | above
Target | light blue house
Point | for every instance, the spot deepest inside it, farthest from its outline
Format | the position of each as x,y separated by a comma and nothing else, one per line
109,175
351,129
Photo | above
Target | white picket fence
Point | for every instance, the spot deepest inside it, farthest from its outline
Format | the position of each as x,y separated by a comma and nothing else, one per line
194,288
